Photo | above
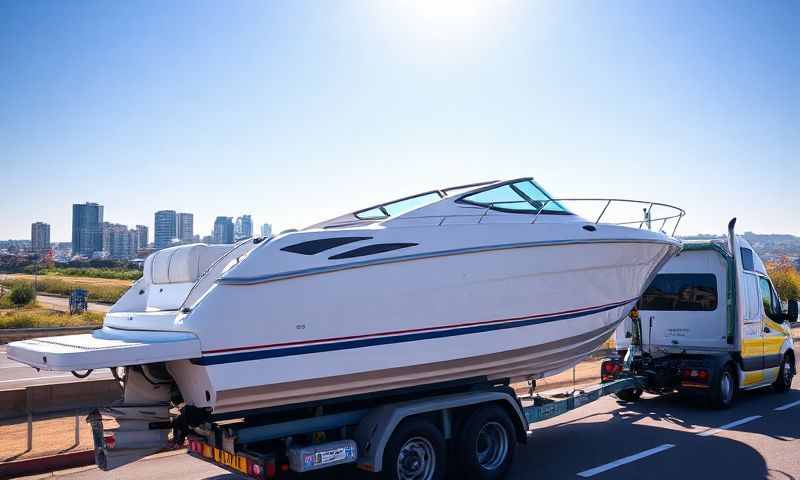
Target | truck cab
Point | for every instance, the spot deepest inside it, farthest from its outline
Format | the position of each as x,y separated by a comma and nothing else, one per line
711,321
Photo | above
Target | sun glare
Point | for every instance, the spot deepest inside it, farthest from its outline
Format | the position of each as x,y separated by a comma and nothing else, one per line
441,26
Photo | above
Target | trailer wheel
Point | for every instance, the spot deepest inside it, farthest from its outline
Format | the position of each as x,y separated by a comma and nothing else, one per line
486,444
785,376
724,389
415,451
629,395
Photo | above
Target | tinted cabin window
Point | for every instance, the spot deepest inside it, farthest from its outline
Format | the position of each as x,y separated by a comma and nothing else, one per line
313,247
747,260
371,250
689,292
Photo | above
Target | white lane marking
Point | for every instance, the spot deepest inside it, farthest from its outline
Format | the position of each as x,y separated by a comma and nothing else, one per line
787,406
712,431
48,377
623,461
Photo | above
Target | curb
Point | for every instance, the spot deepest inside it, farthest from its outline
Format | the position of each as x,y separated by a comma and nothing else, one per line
33,466
64,461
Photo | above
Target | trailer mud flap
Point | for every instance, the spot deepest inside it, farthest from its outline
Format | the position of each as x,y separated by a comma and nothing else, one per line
142,431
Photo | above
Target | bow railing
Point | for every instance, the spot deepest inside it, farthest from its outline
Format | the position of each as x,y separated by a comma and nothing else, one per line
653,215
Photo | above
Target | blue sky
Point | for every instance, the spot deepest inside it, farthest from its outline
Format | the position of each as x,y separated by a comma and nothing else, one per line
299,111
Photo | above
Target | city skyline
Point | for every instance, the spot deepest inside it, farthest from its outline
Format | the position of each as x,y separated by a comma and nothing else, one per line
303,111
148,228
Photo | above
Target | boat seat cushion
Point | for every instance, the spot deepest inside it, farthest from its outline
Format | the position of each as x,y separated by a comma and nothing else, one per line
182,264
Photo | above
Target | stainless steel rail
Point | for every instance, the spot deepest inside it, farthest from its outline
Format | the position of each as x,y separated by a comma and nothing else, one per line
675,213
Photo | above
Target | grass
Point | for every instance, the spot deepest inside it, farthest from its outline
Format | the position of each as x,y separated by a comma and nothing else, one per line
98,290
92,272
33,316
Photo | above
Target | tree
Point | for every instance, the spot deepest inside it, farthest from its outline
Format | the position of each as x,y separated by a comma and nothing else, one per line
785,277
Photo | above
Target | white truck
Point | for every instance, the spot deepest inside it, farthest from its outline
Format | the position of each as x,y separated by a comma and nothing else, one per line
711,322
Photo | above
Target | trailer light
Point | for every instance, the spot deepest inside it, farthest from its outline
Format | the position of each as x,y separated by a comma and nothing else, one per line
610,369
695,374
255,470
110,442
196,446
270,468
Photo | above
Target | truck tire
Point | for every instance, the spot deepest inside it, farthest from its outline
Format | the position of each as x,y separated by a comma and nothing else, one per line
415,451
486,444
785,375
723,390
629,395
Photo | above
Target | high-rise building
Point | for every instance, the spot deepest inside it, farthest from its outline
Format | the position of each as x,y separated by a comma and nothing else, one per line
244,227
166,228
141,237
40,237
118,241
266,230
223,230
87,233
185,226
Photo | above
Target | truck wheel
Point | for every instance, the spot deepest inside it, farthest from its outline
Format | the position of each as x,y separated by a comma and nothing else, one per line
723,390
415,451
486,444
629,395
785,376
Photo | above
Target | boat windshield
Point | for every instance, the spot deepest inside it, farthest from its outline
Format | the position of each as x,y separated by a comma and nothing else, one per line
522,196
398,207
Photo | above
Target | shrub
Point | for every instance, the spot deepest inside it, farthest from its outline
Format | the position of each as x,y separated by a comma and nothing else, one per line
22,294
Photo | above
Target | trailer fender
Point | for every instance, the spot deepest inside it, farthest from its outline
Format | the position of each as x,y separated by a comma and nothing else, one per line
373,432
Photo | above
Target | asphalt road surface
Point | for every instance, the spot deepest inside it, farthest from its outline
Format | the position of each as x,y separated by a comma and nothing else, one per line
62,304
17,375
655,438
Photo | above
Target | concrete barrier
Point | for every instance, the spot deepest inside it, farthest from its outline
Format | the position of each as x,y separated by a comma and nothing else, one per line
16,334
58,397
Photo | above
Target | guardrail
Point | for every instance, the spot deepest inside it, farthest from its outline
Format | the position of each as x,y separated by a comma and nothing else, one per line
60,399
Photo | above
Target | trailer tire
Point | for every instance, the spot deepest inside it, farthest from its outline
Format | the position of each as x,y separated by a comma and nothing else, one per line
723,390
629,395
416,450
785,375
486,444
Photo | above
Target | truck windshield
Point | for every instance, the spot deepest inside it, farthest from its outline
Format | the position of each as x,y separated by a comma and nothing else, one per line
690,292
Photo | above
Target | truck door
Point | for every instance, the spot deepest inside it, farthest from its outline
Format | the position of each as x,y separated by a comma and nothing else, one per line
752,331
773,331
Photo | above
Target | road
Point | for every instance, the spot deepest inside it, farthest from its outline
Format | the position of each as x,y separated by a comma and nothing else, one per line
16,375
657,438
62,303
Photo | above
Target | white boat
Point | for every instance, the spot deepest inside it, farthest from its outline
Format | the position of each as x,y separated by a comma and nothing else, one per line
488,282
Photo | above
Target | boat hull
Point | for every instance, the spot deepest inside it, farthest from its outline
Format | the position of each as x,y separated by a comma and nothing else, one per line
510,313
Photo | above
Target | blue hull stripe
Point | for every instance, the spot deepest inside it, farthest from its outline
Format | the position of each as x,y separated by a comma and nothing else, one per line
371,342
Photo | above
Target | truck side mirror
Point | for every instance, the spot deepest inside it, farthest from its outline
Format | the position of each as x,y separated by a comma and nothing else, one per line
793,308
